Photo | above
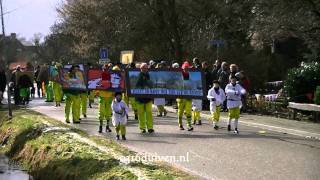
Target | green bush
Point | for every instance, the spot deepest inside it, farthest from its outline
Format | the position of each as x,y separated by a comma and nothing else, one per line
302,81
317,96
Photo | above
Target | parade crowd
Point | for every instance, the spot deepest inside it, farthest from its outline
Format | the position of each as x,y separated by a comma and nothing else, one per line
226,87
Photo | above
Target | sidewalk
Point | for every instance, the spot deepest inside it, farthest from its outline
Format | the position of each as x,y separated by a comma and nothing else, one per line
286,126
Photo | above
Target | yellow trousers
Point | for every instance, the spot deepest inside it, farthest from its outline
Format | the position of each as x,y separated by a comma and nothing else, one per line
145,115
121,129
184,107
196,116
215,116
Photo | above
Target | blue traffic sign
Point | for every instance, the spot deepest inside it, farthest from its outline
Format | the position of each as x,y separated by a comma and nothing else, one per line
104,53
218,42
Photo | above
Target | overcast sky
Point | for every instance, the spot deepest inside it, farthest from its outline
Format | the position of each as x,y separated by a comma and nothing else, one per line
27,17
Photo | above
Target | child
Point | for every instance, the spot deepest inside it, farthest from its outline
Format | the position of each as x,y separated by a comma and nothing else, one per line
160,103
234,92
196,109
217,97
120,112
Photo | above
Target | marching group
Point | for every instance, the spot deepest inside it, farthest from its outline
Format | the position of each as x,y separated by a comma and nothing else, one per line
226,92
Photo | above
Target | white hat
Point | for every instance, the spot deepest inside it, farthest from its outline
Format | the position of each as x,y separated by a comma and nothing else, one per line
175,65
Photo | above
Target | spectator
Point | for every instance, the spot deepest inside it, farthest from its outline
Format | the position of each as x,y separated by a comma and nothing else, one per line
244,82
223,75
216,68
196,63
131,65
152,64
223,78
175,65
233,69
13,81
208,76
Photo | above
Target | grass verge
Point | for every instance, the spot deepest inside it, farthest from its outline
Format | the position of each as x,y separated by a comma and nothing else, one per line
49,149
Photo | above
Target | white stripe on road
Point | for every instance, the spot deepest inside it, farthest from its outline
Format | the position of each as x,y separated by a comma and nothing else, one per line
267,127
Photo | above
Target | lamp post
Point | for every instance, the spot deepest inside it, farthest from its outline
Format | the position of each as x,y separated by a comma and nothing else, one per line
5,53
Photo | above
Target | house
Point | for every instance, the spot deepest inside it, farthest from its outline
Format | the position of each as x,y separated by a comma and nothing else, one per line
15,52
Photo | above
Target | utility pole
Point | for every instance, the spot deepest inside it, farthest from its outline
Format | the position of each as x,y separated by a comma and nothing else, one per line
5,56
2,18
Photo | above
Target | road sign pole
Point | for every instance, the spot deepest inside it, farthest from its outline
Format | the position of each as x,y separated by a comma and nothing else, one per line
217,51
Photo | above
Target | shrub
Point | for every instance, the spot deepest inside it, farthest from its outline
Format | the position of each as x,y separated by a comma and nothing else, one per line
302,82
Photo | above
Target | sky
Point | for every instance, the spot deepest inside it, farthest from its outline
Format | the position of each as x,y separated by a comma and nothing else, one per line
27,17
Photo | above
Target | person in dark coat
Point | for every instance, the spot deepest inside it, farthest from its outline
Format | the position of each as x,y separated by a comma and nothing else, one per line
3,83
216,68
196,63
208,76
223,78
13,81
24,85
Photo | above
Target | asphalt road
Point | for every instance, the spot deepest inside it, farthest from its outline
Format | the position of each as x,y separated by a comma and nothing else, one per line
209,154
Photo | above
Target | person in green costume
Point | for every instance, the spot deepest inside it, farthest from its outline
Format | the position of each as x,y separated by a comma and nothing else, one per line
84,100
56,86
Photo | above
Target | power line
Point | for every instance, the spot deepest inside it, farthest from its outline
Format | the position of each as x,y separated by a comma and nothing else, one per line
11,11
15,9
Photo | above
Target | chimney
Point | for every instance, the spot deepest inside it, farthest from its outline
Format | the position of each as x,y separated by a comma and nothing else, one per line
13,35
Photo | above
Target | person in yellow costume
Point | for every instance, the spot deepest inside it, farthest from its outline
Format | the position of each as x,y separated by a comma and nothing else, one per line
84,100
105,101
185,105
216,96
233,92
160,102
91,96
56,86
131,100
196,111
49,90
72,98
144,105
91,93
